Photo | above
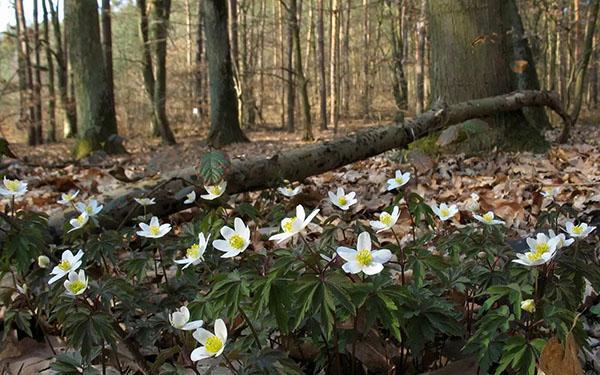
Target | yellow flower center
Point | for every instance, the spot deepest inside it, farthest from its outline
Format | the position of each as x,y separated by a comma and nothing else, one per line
213,344
399,180
488,217
89,210
154,230
342,200
288,224
533,256
193,251
577,229
444,212
364,257
65,265
12,185
385,218
81,220
236,241
215,190
68,197
76,286
542,247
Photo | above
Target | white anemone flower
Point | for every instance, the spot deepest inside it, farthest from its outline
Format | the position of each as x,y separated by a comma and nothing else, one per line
68,263
341,199
386,220
235,240
550,191
180,319
444,212
92,208
66,198
488,218
76,283
43,261
542,250
363,259
13,188
400,179
79,222
145,201
289,192
472,204
578,231
190,198
154,229
214,191
212,344
195,253
562,240
294,225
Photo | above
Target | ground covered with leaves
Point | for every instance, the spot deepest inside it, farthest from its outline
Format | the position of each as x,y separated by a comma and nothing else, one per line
448,295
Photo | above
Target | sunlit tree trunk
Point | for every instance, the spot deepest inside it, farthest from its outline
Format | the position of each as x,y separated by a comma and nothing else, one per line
96,116
400,84
420,61
291,77
25,52
51,135
198,86
334,66
345,51
224,121
67,102
106,33
299,70
37,82
366,59
321,66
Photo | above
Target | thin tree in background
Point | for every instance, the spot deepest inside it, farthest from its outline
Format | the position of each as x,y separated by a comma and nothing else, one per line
291,78
25,57
366,58
299,71
37,82
67,101
96,118
400,84
347,74
198,91
51,132
106,37
420,60
321,66
224,120
333,65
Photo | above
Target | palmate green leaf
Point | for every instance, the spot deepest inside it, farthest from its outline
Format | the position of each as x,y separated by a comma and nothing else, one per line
520,355
21,318
228,291
87,329
25,240
213,165
304,293
272,362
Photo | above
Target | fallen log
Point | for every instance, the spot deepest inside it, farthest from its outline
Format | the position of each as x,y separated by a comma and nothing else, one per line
260,172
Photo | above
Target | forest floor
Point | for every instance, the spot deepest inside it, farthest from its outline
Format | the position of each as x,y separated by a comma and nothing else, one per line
508,183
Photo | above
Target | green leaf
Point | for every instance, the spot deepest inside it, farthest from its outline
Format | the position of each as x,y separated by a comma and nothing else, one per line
213,165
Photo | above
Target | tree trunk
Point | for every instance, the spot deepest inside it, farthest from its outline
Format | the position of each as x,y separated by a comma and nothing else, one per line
106,38
96,116
300,163
400,85
524,77
147,69
291,76
321,67
51,136
37,83
302,81
346,60
366,100
224,121
24,103
67,102
334,90
162,11
26,58
581,68
198,70
420,61
471,57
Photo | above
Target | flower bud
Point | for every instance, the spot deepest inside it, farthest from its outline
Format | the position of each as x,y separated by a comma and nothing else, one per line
528,305
482,255
43,261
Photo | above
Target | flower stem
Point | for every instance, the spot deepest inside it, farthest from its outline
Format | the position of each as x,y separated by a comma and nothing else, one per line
402,256
251,326
230,365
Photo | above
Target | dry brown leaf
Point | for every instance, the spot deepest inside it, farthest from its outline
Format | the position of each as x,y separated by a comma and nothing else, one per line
557,359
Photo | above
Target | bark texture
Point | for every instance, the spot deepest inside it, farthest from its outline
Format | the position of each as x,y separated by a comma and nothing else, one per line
96,114
297,164
224,120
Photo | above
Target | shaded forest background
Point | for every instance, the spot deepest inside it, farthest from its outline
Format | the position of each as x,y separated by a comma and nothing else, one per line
365,60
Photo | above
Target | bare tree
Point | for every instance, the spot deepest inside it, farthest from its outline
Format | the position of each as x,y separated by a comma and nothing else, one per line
37,82
28,116
321,66
334,65
51,135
